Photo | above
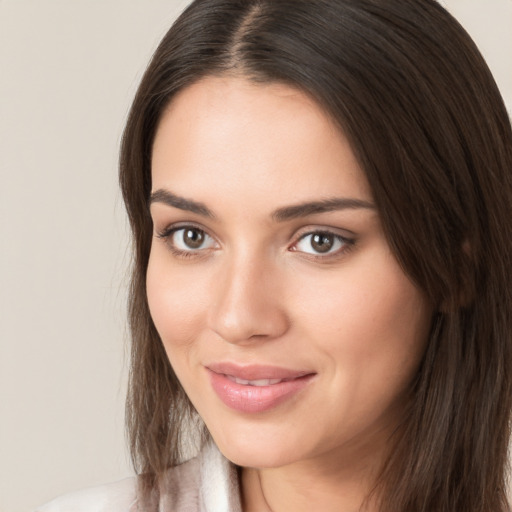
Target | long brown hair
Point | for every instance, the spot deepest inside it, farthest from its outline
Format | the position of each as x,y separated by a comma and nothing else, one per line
410,90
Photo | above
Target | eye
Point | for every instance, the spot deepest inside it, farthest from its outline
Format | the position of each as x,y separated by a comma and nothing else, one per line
322,243
190,239
187,239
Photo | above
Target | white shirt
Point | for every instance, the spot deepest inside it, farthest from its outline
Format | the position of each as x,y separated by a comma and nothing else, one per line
206,483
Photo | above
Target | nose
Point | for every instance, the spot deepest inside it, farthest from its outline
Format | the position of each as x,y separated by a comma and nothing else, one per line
247,303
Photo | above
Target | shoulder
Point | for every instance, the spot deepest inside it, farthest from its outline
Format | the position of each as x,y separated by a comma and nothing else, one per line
206,483
115,497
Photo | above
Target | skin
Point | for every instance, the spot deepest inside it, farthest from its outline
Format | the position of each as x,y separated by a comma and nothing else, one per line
258,291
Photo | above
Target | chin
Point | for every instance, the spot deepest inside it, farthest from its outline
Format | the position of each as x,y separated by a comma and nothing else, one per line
256,451
253,458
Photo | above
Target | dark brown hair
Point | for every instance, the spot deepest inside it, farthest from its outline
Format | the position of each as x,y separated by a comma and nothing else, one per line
410,90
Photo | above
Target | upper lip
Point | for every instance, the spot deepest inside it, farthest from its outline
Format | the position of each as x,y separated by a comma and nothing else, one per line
256,371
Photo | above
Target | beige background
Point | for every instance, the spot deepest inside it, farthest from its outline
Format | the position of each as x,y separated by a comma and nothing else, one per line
68,70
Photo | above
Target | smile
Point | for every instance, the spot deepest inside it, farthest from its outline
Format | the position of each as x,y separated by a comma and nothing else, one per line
259,382
254,389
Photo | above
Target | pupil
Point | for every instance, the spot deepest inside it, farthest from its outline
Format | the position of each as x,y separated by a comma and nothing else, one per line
322,242
193,238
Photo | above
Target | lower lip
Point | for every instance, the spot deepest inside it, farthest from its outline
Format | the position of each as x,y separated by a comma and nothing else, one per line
252,399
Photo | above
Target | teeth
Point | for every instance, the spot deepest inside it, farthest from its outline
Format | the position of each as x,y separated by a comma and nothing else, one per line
259,382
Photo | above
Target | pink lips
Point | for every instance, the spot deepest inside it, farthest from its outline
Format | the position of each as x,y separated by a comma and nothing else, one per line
255,388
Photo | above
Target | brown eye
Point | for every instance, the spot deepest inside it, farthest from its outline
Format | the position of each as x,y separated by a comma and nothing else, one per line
322,242
193,238
188,239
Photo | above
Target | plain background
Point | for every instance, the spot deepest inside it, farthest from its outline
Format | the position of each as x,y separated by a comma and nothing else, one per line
68,71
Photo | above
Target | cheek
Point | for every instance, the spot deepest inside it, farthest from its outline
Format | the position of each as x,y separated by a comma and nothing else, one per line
176,302
371,323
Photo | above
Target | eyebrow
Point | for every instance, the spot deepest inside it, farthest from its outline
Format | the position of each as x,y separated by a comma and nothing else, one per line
326,205
168,198
283,214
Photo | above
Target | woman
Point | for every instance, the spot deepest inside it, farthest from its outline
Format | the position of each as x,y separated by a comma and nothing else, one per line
320,194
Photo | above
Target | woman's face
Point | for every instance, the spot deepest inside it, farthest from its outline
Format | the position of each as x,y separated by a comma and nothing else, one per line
288,321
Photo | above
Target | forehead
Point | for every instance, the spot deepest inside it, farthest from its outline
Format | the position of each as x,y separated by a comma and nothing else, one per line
226,135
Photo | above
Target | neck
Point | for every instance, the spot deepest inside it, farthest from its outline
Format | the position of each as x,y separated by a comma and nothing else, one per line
326,484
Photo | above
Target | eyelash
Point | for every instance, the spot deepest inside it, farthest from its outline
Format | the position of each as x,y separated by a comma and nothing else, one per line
347,243
167,234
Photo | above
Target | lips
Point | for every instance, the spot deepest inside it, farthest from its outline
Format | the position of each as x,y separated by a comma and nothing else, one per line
258,382
255,388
